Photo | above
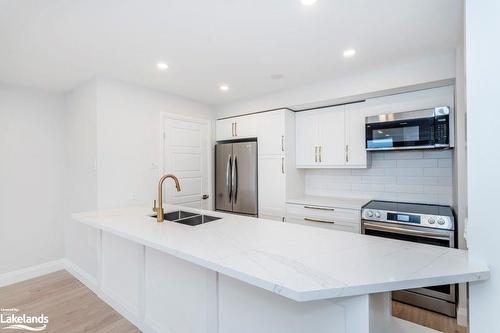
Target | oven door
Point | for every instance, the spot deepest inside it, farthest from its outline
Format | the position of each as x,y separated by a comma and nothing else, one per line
400,134
419,235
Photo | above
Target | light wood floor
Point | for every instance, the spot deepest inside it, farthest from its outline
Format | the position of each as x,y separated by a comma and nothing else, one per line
426,318
72,307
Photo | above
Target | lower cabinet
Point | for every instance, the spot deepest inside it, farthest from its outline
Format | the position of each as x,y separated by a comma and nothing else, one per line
324,217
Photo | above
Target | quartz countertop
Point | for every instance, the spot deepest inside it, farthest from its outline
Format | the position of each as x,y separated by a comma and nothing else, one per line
338,202
295,261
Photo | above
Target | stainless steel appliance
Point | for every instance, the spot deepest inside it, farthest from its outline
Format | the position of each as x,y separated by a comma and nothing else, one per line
421,129
428,224
236,177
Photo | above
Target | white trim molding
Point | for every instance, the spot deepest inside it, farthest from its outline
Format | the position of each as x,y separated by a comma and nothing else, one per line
31,272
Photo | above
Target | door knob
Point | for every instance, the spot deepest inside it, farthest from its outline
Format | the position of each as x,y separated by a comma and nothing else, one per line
205,196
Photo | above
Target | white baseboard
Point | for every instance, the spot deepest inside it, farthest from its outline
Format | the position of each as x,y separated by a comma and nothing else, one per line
31,272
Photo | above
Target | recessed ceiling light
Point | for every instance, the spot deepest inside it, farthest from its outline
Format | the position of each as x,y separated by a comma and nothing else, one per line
162,66
224,87
349,53
308,2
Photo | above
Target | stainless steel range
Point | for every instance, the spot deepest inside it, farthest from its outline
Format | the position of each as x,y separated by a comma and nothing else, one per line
428,224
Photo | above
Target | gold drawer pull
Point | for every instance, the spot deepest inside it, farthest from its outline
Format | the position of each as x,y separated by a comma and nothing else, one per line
321,221
319,208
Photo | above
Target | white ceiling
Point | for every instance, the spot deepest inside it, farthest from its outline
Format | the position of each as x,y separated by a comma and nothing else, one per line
57,44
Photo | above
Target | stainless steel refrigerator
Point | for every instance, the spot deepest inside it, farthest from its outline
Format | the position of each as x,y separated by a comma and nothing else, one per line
236,177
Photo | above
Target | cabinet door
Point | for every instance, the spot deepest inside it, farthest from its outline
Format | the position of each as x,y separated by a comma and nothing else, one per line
272,186
271,132
224,129
355,136
245,126
331,130
306,136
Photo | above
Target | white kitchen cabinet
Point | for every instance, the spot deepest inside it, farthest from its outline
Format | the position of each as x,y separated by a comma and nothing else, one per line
271,132
341,219
224,129
236,128
331,137
272,186
356,154
306,138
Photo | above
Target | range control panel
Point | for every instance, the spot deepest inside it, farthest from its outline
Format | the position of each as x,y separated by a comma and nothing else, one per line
423,220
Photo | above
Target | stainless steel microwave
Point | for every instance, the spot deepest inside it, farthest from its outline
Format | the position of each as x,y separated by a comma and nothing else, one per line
421,129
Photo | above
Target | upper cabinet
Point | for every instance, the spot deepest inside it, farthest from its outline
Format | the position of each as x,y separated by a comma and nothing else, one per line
332,137
271,132
236,128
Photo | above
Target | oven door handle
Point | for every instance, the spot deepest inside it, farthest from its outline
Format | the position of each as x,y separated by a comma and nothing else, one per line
436,235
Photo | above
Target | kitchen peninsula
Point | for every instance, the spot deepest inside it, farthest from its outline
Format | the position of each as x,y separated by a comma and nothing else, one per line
242,274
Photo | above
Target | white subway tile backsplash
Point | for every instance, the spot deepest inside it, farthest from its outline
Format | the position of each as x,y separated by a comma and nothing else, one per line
379,179
384,163
404,155
409,176
436,189
445,163
439,172
418,180
405,171
369,172
438,154
417,163
368,187
397,188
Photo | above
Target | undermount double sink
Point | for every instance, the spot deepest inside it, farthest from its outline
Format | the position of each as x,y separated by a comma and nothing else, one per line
187,218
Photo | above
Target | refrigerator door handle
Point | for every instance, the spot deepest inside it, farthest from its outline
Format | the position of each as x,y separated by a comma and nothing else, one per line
234,179
228,177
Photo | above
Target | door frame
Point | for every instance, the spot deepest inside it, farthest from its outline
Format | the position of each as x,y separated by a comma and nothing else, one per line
164,117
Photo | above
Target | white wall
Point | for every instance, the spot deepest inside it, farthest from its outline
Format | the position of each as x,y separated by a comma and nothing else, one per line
31,178
416,72
483,115
81,155
129,140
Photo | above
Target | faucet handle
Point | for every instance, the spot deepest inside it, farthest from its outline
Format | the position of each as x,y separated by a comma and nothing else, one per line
154,206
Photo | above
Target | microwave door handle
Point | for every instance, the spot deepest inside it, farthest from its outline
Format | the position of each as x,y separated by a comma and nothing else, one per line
404,231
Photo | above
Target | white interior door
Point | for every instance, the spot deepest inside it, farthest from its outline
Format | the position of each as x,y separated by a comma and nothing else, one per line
187,155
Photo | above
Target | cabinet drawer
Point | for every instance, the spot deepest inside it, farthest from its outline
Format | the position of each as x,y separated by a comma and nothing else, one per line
340,226
324,217
318,212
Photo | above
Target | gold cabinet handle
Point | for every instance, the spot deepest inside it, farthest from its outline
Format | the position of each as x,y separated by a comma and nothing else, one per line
320,208
315,220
